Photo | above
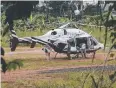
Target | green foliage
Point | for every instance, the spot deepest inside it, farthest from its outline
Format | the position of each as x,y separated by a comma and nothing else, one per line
18,9
90,10
57,7
14,64
11,65
95,19
4,65
63,19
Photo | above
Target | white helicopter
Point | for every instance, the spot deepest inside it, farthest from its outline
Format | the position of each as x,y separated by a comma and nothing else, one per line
59,39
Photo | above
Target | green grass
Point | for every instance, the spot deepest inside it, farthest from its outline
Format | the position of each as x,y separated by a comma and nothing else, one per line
41,63
38,60
61,80
56,80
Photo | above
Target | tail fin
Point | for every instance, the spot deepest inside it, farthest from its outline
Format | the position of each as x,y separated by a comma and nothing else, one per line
13,42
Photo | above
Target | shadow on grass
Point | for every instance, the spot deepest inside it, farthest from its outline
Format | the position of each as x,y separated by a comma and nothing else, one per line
73,58
33,60
58,58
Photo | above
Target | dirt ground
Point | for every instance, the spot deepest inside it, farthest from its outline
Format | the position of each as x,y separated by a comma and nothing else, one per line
28,74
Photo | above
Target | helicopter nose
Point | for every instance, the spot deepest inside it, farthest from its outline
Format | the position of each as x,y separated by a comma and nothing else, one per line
101,46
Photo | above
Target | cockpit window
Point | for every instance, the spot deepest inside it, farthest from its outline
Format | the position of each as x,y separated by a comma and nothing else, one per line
71,42
65,32
54,33
93,41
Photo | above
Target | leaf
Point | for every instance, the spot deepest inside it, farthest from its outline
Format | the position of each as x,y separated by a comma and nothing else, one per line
4,65
95,85
14,64
2,51
31,18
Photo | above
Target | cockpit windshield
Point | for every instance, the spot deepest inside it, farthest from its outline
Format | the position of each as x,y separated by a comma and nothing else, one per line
53,33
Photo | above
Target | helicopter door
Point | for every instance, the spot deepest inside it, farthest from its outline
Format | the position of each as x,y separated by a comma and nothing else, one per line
80,41
72,45
92,43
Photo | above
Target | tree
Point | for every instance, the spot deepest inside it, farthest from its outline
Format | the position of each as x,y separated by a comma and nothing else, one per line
17,10
91,10
110,23
60,8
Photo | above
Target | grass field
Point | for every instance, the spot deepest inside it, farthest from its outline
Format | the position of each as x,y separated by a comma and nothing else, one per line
61,80
35,59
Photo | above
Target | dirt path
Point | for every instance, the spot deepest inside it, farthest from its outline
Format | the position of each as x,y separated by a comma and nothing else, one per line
22,74
39,51
25,74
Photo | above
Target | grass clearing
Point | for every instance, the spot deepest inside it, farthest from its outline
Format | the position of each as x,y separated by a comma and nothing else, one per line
61,80
36,59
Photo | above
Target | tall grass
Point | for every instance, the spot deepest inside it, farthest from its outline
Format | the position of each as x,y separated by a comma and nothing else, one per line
62,80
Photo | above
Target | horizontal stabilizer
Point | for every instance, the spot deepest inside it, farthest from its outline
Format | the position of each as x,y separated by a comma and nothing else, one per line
39,41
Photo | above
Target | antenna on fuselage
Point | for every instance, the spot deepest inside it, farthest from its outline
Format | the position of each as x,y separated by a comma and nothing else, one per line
90,32
63,26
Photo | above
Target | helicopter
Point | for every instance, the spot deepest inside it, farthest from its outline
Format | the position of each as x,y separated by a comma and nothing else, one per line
59,40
